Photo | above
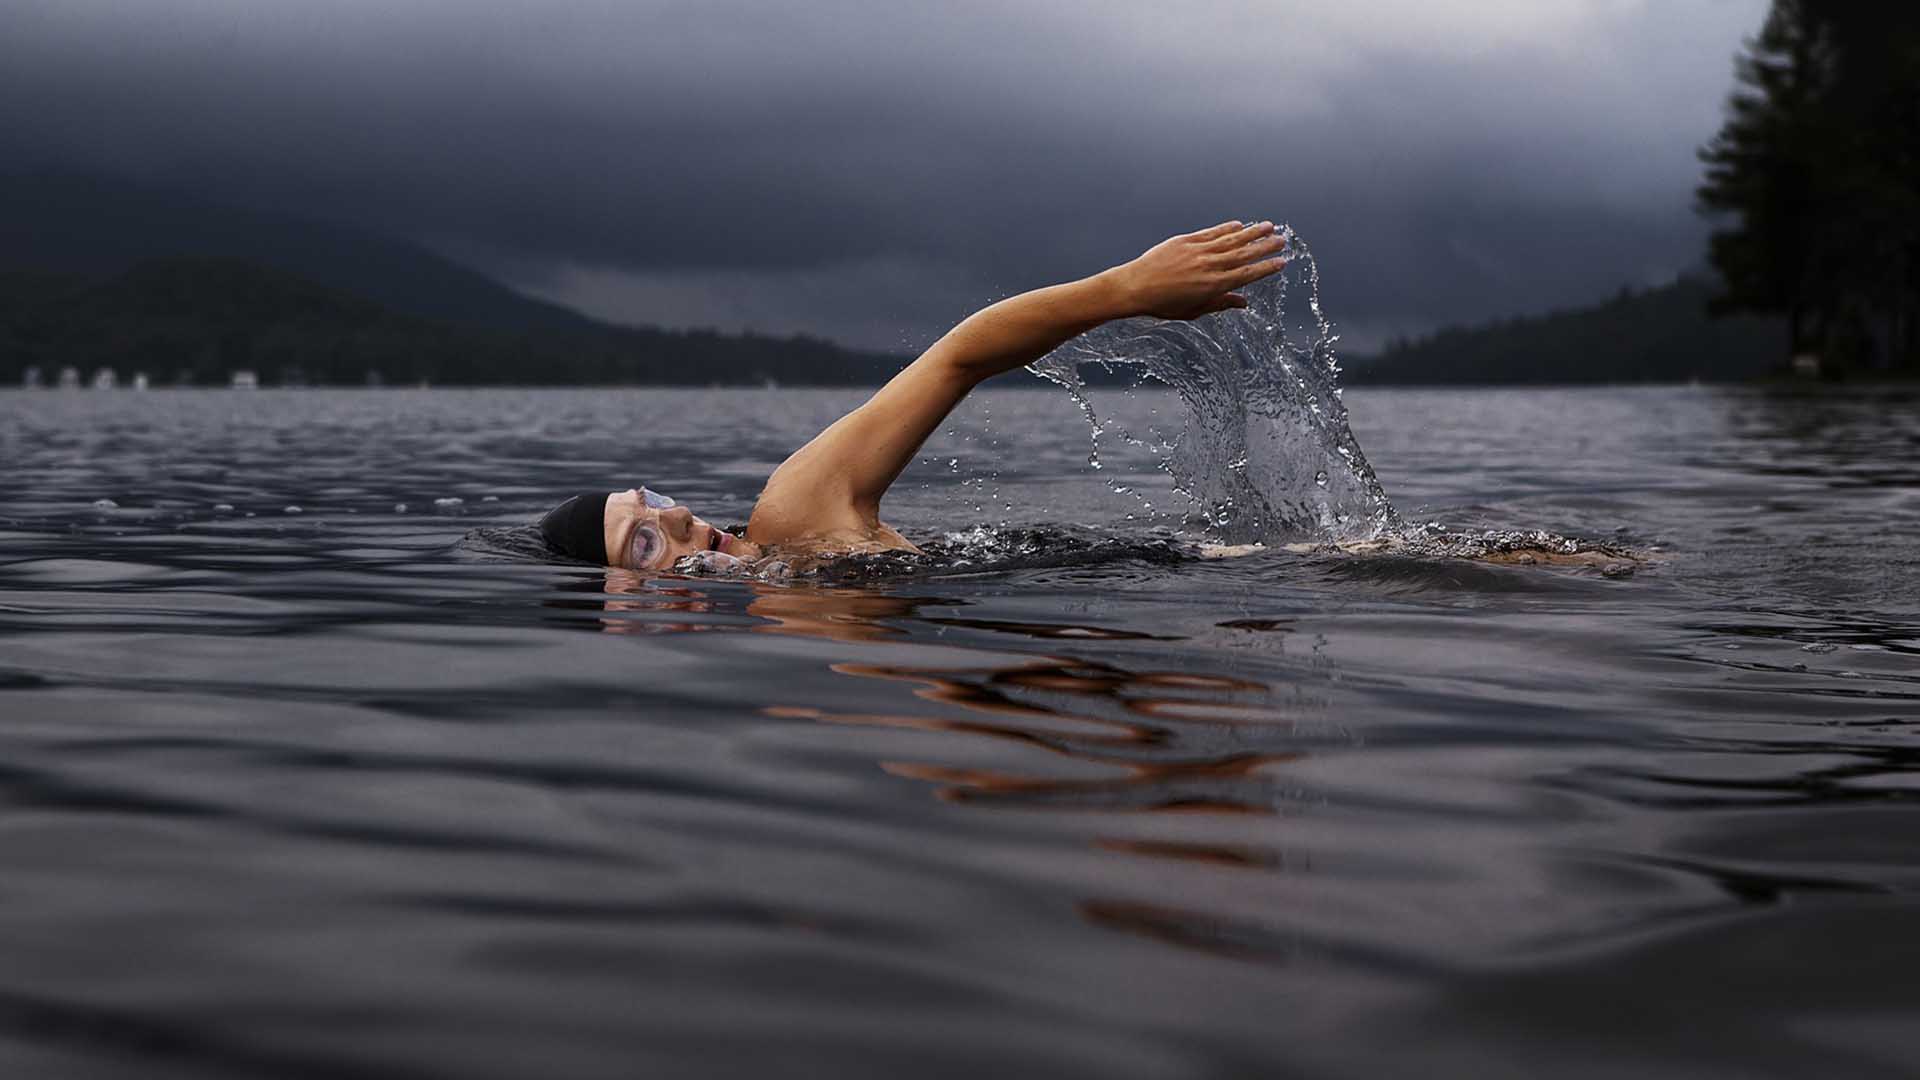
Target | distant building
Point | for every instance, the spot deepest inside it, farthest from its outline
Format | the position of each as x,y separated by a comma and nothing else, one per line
243,380
30,378
139,380
69,378
105,379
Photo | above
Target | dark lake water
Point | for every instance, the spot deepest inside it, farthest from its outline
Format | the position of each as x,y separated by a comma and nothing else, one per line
358,791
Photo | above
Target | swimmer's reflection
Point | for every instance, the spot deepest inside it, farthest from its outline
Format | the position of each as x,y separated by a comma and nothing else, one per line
1132,740
838,615
1126,741
631,600
1115,761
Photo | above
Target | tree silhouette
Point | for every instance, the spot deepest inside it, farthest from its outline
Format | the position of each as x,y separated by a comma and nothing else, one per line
1815,177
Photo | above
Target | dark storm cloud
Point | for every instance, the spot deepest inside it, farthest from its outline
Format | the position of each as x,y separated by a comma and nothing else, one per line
872,170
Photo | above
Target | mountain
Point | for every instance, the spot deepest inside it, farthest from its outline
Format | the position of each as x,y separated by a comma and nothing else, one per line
196,320
1662,334
99,273
82,225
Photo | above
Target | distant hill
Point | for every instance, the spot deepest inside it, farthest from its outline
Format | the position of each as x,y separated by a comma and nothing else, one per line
98,273
1655,335
94,227
196,320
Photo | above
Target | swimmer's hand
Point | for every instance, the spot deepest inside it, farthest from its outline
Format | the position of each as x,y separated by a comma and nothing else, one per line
1195,274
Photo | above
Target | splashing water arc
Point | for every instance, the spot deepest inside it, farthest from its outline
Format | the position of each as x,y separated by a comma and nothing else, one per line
1265,453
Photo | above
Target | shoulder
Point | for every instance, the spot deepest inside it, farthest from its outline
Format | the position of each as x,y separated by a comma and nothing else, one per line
799,503
818,520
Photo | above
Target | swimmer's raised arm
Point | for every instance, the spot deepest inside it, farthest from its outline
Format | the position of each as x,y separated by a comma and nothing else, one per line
832,486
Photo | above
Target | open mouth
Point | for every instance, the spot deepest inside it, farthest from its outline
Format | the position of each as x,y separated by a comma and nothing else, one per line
716,540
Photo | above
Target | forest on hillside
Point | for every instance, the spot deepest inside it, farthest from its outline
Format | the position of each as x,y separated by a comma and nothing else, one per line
196,321
1814,260
1652,335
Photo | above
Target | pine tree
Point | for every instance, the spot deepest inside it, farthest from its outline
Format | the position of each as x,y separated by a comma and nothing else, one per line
1815,178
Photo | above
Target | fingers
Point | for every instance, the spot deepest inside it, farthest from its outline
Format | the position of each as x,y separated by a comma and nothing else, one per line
1223,229
1253,272
1242,236
1272,244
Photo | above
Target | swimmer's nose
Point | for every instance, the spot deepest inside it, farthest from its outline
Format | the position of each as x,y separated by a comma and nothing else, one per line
678,522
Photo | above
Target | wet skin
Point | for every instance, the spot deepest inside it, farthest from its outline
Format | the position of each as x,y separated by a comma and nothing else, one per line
677,531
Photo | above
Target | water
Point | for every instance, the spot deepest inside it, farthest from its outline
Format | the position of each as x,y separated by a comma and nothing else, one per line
1264,452
358,791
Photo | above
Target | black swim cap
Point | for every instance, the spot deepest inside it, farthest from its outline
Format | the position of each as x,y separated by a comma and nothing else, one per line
577,527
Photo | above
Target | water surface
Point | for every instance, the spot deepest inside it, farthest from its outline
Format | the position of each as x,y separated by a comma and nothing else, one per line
354,790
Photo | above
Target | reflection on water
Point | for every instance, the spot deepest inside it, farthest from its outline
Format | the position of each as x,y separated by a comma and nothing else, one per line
628,593
1063,706
359,791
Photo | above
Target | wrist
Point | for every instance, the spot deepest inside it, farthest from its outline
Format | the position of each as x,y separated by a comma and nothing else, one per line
1113,292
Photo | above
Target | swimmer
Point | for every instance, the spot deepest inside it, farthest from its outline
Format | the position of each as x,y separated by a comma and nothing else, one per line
824,500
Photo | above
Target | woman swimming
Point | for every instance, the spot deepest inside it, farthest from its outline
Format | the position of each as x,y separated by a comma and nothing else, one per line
825,498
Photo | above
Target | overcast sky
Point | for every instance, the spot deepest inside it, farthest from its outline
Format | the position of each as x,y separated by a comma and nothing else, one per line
873,171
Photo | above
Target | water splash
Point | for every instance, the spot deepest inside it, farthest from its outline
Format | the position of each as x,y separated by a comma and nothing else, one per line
1265,454
985,549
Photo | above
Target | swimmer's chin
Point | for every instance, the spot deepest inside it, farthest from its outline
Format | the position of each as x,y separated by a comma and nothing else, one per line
739,547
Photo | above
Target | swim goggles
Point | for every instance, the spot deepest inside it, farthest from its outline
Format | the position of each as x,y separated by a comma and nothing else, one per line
647,542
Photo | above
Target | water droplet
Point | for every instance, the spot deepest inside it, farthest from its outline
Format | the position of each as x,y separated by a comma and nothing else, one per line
399,508
451,500
293,510
105,504
1321,478
223,508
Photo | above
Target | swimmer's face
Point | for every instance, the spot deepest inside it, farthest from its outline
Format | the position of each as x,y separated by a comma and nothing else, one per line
640,537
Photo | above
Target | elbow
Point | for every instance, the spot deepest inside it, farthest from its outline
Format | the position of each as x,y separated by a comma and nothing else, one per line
955,365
